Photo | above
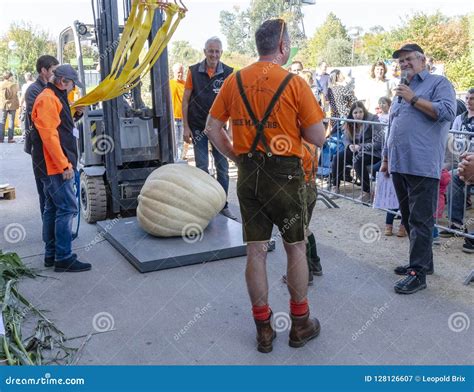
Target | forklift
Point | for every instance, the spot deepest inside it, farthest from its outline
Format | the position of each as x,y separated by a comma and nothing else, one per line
121,141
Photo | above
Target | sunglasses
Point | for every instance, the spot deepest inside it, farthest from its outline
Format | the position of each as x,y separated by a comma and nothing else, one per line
283,25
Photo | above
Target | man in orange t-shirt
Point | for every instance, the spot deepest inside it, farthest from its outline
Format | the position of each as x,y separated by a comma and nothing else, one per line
176,92
271,111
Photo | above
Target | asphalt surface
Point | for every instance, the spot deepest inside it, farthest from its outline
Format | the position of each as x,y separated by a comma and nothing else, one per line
201,314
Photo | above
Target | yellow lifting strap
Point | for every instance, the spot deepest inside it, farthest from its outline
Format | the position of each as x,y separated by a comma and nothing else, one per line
126,70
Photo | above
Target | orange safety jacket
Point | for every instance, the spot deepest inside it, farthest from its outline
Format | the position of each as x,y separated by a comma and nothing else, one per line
55,150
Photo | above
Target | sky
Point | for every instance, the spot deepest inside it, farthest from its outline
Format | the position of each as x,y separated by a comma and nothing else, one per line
202,19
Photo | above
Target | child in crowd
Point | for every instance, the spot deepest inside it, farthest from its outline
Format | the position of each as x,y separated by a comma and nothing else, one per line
384,105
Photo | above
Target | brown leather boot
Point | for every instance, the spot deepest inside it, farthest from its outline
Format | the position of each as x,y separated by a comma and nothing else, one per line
265,335
303,329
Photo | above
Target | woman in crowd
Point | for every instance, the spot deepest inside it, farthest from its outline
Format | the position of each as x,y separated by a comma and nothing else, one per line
340,96
363,148
378,86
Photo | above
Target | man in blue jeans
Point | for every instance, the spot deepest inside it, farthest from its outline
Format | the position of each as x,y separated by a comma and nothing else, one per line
203,83
54,122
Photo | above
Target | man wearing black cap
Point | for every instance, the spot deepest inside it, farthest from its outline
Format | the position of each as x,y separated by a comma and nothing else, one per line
419,123
54,122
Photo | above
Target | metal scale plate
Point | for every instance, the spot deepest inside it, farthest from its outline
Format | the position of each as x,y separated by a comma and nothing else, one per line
222,239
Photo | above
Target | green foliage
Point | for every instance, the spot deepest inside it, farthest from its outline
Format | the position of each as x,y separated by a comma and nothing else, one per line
236,28
47,343
31,43
441,37
316,49
88,52
183,52
337,52
239,27
461,72
236,60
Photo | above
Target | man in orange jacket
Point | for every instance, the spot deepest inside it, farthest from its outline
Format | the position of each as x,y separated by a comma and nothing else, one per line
54,122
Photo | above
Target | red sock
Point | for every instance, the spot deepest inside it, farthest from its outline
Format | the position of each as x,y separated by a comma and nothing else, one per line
299,308
261,313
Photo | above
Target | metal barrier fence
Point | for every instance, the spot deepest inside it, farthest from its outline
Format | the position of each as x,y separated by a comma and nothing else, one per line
349,161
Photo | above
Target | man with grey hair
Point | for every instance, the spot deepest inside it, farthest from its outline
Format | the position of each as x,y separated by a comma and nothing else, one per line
419,123
271,110
203,83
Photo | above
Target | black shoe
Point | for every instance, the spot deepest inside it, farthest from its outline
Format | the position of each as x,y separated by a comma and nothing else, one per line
449,234
403,270
410,284
316,268
71,265
49,261
468,246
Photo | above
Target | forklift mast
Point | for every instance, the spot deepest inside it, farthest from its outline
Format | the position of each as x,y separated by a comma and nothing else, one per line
122,141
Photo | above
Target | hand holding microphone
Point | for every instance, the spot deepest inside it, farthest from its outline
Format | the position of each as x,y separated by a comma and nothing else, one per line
403,81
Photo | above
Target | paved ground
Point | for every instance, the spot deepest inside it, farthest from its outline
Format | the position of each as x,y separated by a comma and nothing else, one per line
201,314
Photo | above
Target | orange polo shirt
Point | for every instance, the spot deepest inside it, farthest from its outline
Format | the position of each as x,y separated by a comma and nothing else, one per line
296,108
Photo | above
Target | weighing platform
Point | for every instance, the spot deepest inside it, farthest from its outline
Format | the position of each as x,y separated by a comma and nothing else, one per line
222,239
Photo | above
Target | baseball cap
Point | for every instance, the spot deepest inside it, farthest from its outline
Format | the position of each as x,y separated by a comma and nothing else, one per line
66,71
407,48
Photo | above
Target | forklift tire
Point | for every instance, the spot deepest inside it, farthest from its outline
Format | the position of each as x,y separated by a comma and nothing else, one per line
93,198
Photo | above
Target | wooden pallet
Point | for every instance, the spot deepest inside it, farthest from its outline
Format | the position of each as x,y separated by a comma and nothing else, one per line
8,193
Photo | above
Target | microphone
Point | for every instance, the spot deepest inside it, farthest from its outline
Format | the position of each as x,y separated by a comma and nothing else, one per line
403,80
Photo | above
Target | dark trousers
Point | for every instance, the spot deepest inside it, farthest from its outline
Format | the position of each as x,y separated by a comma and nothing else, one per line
418,197
339,171
363,166
201,156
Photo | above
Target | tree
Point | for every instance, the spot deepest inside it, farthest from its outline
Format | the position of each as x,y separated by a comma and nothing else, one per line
461,72
239,27
315,48
376,46
30,43
441,37
183,52
337,52
236,28
88,53
236,60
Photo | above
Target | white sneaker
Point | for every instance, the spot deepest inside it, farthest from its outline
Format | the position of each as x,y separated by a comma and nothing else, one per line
228,213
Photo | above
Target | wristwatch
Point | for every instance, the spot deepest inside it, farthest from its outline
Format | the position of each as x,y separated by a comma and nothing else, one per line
414,100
